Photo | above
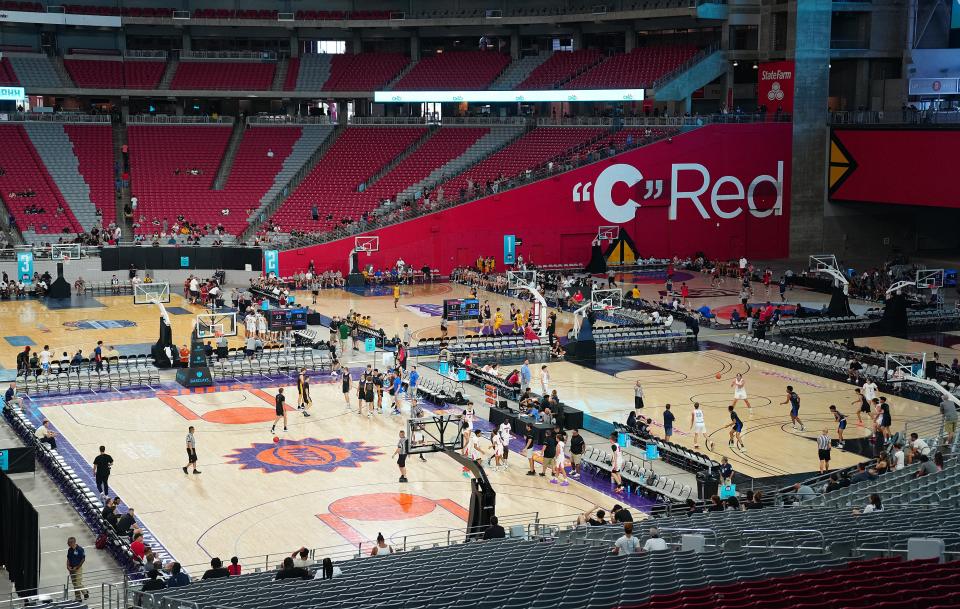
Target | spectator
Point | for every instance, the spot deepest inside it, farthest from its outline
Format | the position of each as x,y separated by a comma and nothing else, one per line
327,570
949,411
288,571
756,503
494,531
802,492
898,457
126,523
10,397
301,558
234,567
594,519
832,484
620,514
926,466
216,570
109,512
46,435
75,559
715,504
154,582
382,548
873,505
177,576
918,448
137,546
693,508
627,543
655,543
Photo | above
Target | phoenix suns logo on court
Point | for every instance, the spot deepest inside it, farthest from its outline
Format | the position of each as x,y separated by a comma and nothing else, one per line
99,324
300,456
726,190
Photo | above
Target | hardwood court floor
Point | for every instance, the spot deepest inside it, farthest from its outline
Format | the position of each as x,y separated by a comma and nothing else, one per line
948,349
773,446
331,481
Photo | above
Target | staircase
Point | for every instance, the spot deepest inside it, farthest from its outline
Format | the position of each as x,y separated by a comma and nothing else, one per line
699,72
314,72
481,149
311,139
267,209
168,73
62,73
406,70
226,163
56,152
119,133
518,71
280,75
389,166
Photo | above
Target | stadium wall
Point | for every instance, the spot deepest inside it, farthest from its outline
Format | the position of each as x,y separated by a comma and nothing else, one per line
720,189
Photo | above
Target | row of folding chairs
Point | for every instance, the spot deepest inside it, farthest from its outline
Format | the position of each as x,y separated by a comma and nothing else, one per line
505,346
270,364
625,340
88,379
674,454
105,288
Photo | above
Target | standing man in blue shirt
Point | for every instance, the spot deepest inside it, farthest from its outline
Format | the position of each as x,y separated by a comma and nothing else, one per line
75,559
412,381
525,376
668,418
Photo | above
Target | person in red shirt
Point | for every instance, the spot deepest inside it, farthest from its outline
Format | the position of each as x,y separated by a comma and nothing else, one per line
184,356
234,567
684,292
529,333
137,547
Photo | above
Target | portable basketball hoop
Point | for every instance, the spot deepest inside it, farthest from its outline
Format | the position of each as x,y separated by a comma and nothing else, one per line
64,252
368,244
527,280
828,265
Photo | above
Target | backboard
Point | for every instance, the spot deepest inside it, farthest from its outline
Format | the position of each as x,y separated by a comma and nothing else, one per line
151,293
606,299
61,252
930,278
366,244
211,325
608,233
823,262
434,434
902,367
521,279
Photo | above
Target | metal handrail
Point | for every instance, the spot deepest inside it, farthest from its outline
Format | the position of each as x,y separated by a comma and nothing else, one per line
239,55
890,534
286,119
146,54
697,58
166,119
716,538
56,117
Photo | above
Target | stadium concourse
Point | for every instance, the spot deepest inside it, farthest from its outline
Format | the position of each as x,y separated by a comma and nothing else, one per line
541,305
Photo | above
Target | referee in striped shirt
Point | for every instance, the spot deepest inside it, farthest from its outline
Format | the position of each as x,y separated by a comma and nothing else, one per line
823,450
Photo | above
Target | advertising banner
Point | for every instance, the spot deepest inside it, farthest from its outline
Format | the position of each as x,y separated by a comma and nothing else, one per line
775,86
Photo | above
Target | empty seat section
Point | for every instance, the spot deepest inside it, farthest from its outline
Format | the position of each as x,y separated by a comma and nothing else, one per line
157,152
293,70
113,74
364,71
25,183
93,147
357,154
7,76
456,70
224,75
528,152
638,68
560,67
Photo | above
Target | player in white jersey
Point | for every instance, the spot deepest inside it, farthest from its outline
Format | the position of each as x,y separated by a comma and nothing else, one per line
474,452
560,462
698,425
616,464
739,390
250,321
504,431
468,415
497,449
869,390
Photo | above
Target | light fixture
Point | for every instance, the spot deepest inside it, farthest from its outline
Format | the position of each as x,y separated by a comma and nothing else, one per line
735,63
755,66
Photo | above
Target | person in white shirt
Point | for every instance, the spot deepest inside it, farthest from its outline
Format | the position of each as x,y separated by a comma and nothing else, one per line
918,447
504,431
45,359
627,543
46,435
194,289
250,321
869,390
655,543
898,458
301,558
261,325
544,380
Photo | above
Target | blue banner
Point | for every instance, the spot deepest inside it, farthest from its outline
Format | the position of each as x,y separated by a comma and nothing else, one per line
271,262
509,249
370,345
4,460
184,262
25,267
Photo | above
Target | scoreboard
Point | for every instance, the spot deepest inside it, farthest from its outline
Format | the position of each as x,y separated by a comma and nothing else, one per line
282,320
461,309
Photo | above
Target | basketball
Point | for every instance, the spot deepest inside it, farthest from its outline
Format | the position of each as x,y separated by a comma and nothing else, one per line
719,375
276,439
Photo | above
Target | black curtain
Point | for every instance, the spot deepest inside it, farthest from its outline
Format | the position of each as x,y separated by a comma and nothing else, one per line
19,538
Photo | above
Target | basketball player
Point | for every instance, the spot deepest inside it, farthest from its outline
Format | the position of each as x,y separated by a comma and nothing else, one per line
739,391
303,392
497,322
616,464
497,443
396,299
869,390
191,452
794,400
698,425
468,415
345,386
279,399
486,318
560,461
401,454
884,420
736,426
378,384
528,448
841,423
862,404
368,392
504,431
474,451
419,439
